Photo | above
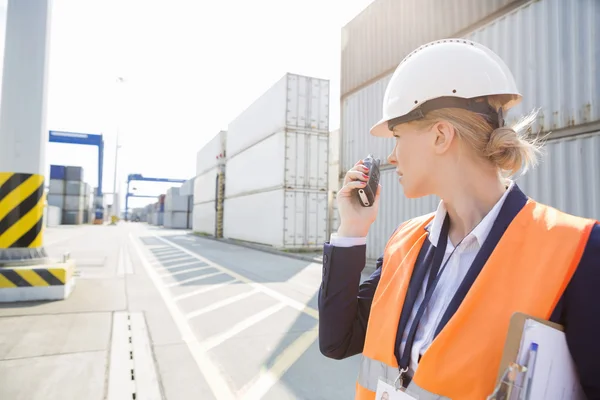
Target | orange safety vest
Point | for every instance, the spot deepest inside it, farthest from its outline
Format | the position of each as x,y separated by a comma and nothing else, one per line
528,271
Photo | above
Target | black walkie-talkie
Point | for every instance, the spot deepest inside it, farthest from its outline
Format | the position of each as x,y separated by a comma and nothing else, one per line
366,195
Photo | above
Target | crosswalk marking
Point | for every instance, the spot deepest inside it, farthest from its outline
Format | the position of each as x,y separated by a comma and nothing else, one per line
222,303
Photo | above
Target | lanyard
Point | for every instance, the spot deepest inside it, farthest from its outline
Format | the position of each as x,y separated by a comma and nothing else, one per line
435,272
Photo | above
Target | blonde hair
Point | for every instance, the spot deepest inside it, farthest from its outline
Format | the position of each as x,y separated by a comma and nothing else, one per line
509,148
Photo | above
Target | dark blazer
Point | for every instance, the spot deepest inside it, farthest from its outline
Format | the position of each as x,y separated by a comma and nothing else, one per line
345,303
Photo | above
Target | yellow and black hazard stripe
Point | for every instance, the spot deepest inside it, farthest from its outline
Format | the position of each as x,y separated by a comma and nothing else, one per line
28,277
21,210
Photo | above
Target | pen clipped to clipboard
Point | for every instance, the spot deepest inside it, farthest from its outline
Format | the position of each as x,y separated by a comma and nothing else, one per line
536,363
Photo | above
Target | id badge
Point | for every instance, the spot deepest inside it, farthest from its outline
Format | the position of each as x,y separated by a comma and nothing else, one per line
385,391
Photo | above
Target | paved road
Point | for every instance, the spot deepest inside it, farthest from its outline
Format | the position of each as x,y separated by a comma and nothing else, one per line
168,315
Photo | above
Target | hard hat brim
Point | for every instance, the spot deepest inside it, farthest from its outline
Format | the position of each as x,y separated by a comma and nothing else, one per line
381,129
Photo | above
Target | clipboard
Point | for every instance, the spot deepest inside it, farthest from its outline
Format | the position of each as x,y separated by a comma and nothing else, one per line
513,340
536,363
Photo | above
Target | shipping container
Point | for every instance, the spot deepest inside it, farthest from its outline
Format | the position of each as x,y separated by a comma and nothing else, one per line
374,42
176,220
72,217
568,176
556,68
55,200
52,216
57,186
296,219
74,203
205,186
74,174
295,102
360,112
204,218
57,172
566,92
187,188
286,159
174,201
75,188
212,153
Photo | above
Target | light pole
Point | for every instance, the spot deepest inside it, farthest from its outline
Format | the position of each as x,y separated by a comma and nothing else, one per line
120,81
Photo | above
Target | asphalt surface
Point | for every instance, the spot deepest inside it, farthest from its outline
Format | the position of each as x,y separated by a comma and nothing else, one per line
169,315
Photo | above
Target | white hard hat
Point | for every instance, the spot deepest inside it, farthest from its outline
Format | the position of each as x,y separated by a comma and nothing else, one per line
457,73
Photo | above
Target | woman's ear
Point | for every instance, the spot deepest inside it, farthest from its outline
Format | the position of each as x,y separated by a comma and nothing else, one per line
444,134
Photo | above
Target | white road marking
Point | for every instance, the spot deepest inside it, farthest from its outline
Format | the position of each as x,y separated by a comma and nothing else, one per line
212,375
146,380
222,303
120,385
181,265
170,260
216,340
197,278
203,290
270,292
269,377
199,268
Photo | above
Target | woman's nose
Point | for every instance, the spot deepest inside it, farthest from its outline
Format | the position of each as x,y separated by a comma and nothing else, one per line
392,157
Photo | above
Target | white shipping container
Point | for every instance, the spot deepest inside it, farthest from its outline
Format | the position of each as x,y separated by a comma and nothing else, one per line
174,201
52,216
175,219
205,186
212,154
294,102
285,219
204,218
286,159
187,188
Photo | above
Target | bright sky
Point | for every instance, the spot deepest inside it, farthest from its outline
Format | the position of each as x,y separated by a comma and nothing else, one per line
190,67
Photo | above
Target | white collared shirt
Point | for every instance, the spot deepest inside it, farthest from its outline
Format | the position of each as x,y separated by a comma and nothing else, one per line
453,275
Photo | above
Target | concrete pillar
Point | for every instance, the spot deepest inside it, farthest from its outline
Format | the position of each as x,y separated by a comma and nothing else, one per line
23,132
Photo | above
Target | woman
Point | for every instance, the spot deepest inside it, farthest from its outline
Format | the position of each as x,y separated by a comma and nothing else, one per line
435,313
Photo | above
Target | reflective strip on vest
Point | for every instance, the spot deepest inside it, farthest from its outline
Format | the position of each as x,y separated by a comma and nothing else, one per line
371,370
418,392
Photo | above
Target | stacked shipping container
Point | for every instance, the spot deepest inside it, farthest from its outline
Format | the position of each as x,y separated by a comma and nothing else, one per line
210,161
177,209
283,139
68,192
551,47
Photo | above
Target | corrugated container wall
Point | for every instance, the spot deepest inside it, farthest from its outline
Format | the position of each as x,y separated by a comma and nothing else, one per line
375,42
566,91
205,188
568,176
286,159
295,103
204,217
212,154
187,188
296,219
